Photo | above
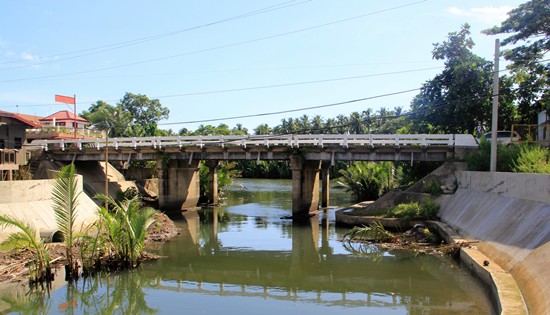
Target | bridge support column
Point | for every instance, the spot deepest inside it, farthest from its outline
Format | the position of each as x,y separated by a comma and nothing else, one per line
178,185
325,184
305,186
213,182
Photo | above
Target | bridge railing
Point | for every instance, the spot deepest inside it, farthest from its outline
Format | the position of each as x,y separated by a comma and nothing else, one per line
320,140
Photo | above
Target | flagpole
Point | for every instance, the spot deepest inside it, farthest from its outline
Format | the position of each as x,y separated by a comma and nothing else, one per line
75,116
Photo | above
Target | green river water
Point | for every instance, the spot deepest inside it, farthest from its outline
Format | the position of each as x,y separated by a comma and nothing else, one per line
246,258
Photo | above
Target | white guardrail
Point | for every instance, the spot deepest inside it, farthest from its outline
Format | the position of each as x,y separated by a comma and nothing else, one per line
293,141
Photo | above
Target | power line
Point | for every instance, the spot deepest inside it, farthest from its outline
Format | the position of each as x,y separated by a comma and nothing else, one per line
290,110
218,47
267,86
101,49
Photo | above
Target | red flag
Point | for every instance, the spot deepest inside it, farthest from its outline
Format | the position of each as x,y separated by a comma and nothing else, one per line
65,99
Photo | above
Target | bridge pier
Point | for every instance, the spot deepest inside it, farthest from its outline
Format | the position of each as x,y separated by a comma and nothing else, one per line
325,184
213,181
178,184
305,186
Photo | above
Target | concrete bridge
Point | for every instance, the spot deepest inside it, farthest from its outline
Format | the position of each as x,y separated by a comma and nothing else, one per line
178,158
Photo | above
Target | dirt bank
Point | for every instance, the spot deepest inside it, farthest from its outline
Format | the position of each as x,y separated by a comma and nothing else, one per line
14,263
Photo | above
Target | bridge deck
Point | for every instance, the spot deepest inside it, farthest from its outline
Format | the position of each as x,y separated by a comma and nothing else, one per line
276,147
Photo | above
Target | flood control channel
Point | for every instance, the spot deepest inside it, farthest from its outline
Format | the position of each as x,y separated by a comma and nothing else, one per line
245,258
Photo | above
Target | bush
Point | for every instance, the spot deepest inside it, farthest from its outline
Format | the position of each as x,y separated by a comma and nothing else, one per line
409,211
481,160
405,211
429,209
532,159
432,187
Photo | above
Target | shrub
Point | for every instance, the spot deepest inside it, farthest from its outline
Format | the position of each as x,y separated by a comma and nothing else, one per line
374,232
405,211
432,187
409,211
532,159
429,209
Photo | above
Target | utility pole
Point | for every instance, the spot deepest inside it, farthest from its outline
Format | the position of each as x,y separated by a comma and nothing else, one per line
494,124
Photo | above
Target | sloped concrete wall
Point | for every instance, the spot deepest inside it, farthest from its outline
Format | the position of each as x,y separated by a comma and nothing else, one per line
31,202
510,215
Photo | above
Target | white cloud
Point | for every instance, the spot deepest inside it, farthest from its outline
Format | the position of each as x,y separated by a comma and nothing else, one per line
29,57
487,15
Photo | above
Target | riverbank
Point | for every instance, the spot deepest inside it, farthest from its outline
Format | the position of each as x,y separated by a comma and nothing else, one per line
14,262
508,216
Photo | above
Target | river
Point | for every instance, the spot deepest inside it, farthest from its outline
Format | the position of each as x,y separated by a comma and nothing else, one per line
244,257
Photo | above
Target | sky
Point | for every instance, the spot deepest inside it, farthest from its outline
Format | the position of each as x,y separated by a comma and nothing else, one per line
209,61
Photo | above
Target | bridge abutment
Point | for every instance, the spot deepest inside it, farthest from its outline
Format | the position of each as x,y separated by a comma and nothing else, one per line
178,184
305,186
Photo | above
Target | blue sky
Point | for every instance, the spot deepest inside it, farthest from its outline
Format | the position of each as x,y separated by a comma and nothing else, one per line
207,59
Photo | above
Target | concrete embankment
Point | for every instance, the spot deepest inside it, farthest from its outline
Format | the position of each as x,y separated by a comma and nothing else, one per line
31,202
509,214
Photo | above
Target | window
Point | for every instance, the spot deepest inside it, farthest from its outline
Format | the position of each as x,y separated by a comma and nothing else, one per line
18,142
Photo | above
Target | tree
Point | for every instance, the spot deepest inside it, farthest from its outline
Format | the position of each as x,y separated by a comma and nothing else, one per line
528,24
262,129
461,94
144,112
104,116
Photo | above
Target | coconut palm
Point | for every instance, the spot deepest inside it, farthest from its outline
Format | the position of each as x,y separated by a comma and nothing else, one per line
126,227
65,201
28,238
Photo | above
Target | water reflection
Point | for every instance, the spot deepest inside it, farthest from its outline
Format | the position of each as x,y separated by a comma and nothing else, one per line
243,258
308,271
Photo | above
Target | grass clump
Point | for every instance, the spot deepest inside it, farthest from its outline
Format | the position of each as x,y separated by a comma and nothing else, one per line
374,232
432,187
428,209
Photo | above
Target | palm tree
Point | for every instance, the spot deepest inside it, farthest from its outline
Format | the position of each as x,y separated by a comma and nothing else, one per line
126,227
65,202
30,239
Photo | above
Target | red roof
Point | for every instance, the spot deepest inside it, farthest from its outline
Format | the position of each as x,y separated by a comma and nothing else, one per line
21,118
63,115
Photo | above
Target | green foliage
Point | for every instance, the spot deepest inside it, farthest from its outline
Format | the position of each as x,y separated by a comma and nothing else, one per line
125,228
532,159
529,25
28,238
432,187
522,158
480,160
408,211
128,194
429,209
368,180
134,116
226,172
65,202
461,94
405,211
374,232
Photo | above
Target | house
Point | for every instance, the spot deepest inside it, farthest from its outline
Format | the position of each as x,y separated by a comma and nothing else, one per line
13,129
60,125
64,119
